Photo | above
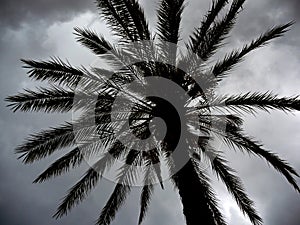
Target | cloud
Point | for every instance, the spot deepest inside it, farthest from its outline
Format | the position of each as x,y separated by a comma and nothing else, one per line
290,7
285,209
14,13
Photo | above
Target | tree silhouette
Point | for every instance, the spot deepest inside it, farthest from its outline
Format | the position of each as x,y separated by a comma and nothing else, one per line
93,92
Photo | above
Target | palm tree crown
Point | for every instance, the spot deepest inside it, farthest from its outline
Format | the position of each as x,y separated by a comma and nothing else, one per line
101,128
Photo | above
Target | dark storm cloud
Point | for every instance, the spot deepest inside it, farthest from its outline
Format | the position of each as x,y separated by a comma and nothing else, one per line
15,12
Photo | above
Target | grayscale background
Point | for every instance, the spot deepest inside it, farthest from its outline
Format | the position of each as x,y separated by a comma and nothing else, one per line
38,29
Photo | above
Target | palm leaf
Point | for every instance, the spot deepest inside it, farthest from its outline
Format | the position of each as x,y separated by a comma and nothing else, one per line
137,16
233,137
91,40
54,70
71,160
117,18
169,18
219,31
122,188
264,101
53,99
74,158
57,71
126,18
82,188
113,204
77,193
46,142
151,170
199,35
40,145
253,147
231,59
147,191
235,187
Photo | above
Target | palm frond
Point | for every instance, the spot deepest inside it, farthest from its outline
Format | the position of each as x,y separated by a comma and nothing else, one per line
78,192
53,99
116,199
118,58
233,58
57,71
101,47
251,146
263,101
221,121
54,70
40,145
74,158
234,138
169,18
138,17
128,173
198,36
115,18
126,18
209,194
91,40
71,160
122,189
145,200
219,31
46,142
152,160
82,188
235,187
152,171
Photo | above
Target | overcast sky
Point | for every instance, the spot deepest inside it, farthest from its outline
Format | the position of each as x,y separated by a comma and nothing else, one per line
38,29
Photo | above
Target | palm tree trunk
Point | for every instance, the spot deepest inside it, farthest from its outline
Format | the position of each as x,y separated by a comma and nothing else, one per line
195,207
195,204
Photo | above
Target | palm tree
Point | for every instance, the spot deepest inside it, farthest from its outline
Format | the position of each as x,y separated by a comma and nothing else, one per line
98,89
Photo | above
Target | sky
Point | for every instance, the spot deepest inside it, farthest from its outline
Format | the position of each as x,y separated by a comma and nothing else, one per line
38,29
